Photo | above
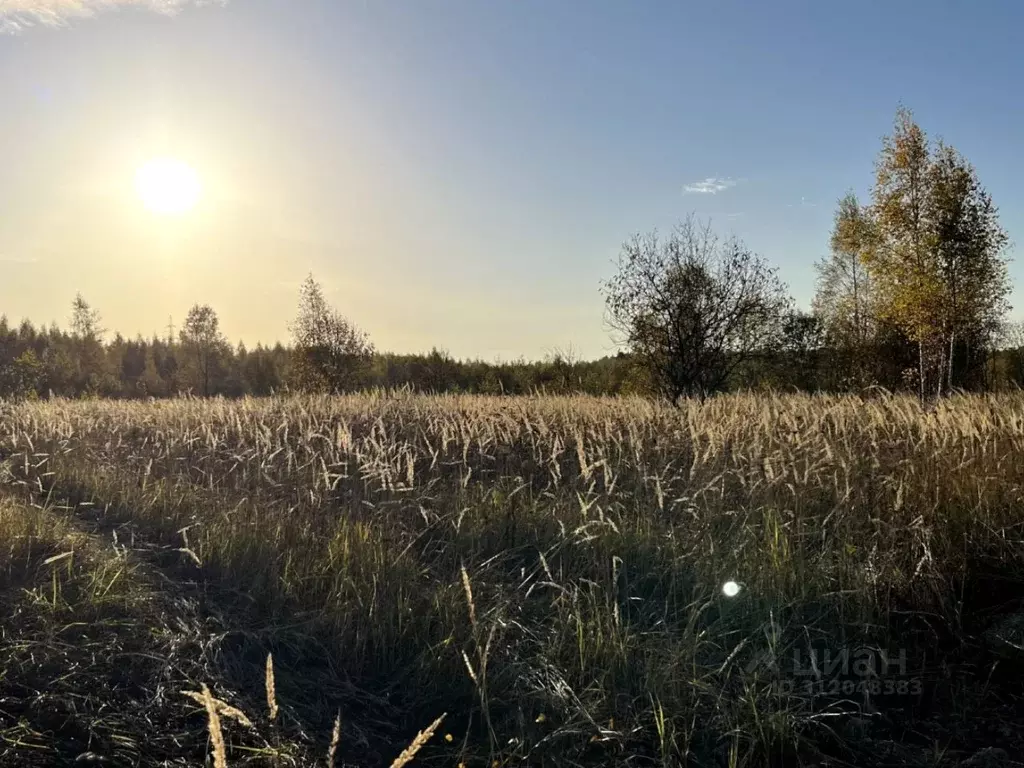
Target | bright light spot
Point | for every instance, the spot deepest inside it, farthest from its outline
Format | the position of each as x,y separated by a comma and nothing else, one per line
167,186
730,589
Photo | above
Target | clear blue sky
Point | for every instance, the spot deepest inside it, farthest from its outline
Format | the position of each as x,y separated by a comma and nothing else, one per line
462,173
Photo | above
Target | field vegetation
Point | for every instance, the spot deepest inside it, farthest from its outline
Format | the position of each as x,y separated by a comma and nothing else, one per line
546,572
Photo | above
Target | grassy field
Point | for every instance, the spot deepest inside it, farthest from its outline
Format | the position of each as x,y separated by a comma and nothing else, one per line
547,573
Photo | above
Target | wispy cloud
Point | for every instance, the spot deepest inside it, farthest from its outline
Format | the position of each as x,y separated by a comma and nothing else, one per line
709,186
804,203
16,259
19,15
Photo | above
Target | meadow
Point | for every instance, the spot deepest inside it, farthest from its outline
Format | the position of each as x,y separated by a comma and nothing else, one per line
744,581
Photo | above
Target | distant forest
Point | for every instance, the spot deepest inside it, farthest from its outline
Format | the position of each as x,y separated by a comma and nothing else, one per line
38,362
78,362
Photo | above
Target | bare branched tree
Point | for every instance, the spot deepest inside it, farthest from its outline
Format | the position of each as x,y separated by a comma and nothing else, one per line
693,308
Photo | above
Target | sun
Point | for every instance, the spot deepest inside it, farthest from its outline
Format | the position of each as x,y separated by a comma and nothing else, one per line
168,186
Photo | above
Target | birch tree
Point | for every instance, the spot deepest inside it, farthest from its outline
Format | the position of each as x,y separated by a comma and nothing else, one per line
937,256
844,302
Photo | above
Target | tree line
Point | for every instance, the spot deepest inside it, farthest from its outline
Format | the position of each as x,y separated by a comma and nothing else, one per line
327,353
912,296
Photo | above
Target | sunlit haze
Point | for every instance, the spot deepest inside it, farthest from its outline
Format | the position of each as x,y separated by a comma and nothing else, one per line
455,173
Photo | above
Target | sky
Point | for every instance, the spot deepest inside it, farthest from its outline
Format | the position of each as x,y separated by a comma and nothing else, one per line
461,173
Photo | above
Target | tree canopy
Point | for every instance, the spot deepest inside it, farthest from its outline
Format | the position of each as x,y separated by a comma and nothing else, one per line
692,308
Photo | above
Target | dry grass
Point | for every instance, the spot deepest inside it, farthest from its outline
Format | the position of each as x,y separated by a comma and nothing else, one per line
417,744
92,642
332,750
270,688
220,754
548,570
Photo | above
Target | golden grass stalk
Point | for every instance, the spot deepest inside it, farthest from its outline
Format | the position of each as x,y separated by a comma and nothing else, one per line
469,597
271,690
220,757
223,708
335,740
417,744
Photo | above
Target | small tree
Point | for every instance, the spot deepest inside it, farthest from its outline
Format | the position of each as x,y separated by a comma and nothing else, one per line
1010,354
151,383
22,378
203,344
798,358
562,372
843,302
87,334
261,371
85,321
330,352
692,309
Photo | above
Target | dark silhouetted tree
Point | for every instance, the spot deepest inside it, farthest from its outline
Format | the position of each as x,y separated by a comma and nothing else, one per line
691,309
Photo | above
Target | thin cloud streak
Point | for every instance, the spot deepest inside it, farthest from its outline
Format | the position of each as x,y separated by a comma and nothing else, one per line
804,203
19,15
709,186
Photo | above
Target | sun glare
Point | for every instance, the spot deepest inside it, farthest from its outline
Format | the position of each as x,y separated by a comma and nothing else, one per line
168,186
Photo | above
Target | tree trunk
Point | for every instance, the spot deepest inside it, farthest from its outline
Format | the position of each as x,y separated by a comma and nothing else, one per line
920,371
952,344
